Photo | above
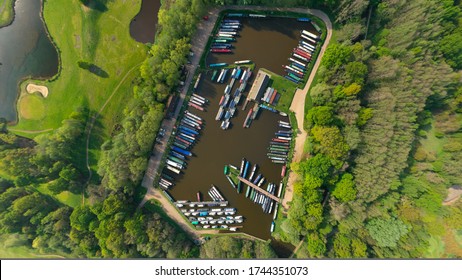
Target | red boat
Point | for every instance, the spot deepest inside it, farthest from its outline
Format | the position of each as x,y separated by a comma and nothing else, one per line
280,140
302,53
196,106
273,96
221,50
247,119
182,140
283,172
221,100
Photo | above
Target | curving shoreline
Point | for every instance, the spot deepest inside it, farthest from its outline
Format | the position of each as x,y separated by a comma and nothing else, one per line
31,79
9,20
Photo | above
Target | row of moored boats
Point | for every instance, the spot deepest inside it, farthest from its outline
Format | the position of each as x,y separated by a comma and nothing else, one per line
184,139
301,57
230,99
278,150
225,36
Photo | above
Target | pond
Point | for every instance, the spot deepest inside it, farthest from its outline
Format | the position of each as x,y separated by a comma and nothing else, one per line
143,25
25,51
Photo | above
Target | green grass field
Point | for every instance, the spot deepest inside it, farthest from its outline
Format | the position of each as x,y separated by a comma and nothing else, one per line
6,12
32,107
100,38
16,246
284,87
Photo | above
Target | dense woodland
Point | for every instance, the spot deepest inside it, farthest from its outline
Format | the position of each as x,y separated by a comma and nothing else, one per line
370,188
385,145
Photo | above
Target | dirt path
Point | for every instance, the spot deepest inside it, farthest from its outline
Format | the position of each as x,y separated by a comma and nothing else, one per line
297,248
92,123
198,44
172,212
454,193
30,131
298,107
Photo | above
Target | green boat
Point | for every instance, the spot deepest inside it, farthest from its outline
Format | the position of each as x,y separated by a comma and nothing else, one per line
214,75
226,171
247,193
195,222
239,185
177,160
252,194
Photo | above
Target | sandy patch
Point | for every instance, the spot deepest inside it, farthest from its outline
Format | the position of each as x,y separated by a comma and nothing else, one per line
32,88
454,194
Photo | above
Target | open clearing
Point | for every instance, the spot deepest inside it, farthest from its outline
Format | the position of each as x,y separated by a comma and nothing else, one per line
104,42
31,107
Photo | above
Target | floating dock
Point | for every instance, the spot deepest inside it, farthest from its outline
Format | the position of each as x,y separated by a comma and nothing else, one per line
259,85
250,184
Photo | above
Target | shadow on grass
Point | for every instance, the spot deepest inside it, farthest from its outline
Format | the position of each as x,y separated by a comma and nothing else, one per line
98,5
98,71
94,145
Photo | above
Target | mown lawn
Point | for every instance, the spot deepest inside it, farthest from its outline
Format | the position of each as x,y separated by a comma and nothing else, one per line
6,12
99,38
32,107
285,88
17,246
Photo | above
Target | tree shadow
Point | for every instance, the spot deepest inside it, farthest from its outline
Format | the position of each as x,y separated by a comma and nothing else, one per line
95,142
98,5
98,71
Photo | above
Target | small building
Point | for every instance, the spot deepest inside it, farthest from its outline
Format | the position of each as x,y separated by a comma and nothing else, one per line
259,86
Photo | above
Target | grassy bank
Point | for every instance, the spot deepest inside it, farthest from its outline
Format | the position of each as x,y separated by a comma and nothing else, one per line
17,246
6,12
99,38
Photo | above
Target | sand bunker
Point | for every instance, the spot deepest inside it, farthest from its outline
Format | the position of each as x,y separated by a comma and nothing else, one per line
31,88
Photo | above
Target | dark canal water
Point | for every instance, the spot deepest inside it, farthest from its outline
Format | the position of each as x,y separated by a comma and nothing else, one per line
143,25
268,43
25,50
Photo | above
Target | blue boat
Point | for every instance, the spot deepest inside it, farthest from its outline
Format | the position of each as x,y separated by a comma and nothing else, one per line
304,19
181,151
218,64
184,128
186,139
291,79
283,134
231,21
235,15
187,133
238,73
246,168
178,155
222,29
268,108
232,104
257,179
